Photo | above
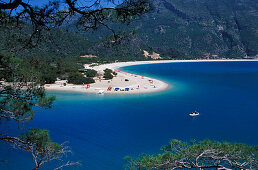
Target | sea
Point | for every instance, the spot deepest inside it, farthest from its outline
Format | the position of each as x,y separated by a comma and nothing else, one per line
101,129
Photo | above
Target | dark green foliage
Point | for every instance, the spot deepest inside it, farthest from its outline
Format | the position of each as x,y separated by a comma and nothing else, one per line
128,48
16,103
198,27
78,78
180,29
108,74
41,70
175,29
48,74
171,53
68,64
91,73
41,139
7,64
44,70
18,97
203,154
59,42
114,73
38,143
89,80
107,70
54,43
49,77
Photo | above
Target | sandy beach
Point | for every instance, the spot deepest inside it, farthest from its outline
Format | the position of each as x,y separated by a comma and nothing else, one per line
124,82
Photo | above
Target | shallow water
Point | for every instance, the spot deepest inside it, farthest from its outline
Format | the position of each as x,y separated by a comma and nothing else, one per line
102,129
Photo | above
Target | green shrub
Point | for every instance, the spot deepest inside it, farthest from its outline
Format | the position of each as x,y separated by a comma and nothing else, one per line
107,70
49,77
114,73
108,75
91,73
78,78
89,80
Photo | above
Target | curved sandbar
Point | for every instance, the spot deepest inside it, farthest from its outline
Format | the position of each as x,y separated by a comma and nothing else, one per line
136,83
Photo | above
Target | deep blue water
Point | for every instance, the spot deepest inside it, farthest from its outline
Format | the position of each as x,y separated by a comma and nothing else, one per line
102,129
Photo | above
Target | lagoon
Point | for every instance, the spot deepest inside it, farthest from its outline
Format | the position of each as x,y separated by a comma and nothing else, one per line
102,129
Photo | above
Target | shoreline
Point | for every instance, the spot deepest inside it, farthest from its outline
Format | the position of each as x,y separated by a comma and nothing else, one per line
136,83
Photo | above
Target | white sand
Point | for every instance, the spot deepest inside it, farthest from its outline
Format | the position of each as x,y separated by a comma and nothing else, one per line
145,84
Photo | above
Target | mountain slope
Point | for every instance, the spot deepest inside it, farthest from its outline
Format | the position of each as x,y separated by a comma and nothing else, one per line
175,29
223,28
54,43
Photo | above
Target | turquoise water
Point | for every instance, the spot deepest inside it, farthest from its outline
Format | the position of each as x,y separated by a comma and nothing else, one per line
102,129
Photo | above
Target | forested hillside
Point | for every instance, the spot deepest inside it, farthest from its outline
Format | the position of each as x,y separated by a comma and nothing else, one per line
223,28
176,29
54,43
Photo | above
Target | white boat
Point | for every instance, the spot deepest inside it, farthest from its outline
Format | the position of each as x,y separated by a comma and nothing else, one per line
101,91
194,114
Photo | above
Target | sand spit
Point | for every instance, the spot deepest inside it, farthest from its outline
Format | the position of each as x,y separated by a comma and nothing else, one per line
124,82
